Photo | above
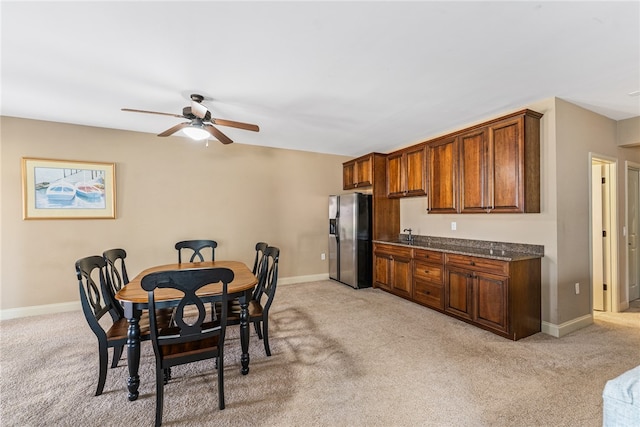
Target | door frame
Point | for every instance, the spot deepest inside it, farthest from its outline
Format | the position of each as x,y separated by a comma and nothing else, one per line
614,286
628,166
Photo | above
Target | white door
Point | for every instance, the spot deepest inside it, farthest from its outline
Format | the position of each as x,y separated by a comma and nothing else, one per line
633,200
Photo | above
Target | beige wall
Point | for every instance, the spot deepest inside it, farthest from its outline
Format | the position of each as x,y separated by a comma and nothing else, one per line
172,189
628,132
568,134
168,189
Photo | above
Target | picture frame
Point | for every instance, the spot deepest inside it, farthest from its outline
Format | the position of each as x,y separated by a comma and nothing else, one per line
68,189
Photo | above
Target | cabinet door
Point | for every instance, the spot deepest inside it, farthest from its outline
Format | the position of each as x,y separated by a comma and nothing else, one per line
443,166
395,186
364,172
401,276
458,292
474,171
491,300
506,151
382,270
348,175
416,171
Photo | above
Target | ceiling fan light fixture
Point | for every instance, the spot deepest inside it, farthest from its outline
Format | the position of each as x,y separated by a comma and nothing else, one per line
196,133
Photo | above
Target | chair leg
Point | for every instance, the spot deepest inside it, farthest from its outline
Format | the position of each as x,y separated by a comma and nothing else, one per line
117,353
160,375
220,366
103,358
265,333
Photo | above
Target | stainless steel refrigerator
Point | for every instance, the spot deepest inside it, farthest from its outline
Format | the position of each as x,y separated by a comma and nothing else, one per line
350,256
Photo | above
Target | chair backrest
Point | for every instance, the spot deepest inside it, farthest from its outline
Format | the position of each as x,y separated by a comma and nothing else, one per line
260,248
194,327
197,247
90,272
270,273
116,272
258,262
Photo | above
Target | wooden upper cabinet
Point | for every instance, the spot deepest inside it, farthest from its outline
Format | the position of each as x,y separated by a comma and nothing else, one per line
514,164
499,165
407,173
442,163
395,187
474,171
358,173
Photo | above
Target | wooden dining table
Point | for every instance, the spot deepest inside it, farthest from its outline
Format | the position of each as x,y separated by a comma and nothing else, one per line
134,299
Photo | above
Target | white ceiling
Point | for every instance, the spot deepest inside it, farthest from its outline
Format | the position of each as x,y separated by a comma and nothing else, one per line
333,77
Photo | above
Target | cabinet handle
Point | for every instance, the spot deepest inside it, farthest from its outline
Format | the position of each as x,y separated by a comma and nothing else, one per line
472,263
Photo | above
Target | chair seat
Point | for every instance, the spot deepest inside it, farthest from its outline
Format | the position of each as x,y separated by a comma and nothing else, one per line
189,350
118,331
233,315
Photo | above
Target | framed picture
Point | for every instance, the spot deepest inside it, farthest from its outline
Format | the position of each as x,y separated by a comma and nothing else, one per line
68,189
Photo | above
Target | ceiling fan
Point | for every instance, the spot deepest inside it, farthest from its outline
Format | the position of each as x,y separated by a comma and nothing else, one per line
200,124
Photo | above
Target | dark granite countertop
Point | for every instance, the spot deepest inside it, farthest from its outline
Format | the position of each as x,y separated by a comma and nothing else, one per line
479,248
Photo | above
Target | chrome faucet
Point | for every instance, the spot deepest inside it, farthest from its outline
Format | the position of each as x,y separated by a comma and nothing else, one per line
410,237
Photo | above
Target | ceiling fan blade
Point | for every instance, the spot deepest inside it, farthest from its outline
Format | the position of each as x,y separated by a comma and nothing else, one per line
153,112
239,125
174,129
218,135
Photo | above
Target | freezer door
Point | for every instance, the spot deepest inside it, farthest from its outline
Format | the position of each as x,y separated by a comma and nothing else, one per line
333,257
348,243
333,238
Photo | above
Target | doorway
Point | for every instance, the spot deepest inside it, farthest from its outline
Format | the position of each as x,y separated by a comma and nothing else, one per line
632,225
603,216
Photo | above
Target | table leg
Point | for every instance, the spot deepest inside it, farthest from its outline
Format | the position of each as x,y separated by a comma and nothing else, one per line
133,351
244,332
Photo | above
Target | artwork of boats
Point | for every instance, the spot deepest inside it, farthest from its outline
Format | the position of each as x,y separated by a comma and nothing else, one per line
61,191
88,190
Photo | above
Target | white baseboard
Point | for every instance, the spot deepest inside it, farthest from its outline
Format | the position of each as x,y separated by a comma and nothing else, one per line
565,328
303,279
14,313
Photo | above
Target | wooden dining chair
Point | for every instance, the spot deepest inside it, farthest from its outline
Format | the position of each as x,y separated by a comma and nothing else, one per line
199,249
262,298
116,273
117,278
192,338
90,272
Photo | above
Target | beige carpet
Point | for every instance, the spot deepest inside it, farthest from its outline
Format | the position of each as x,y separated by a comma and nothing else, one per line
341,357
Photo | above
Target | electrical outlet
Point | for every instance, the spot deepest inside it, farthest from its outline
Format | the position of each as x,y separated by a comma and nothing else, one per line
577,288
454,226
323,256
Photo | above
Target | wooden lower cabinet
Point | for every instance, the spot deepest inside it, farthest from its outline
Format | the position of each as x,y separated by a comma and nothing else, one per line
392,269
500,296
428,278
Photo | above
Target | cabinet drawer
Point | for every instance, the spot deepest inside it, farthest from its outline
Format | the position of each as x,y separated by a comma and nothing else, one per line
479,264
391,250
428,293
427,271
426,255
